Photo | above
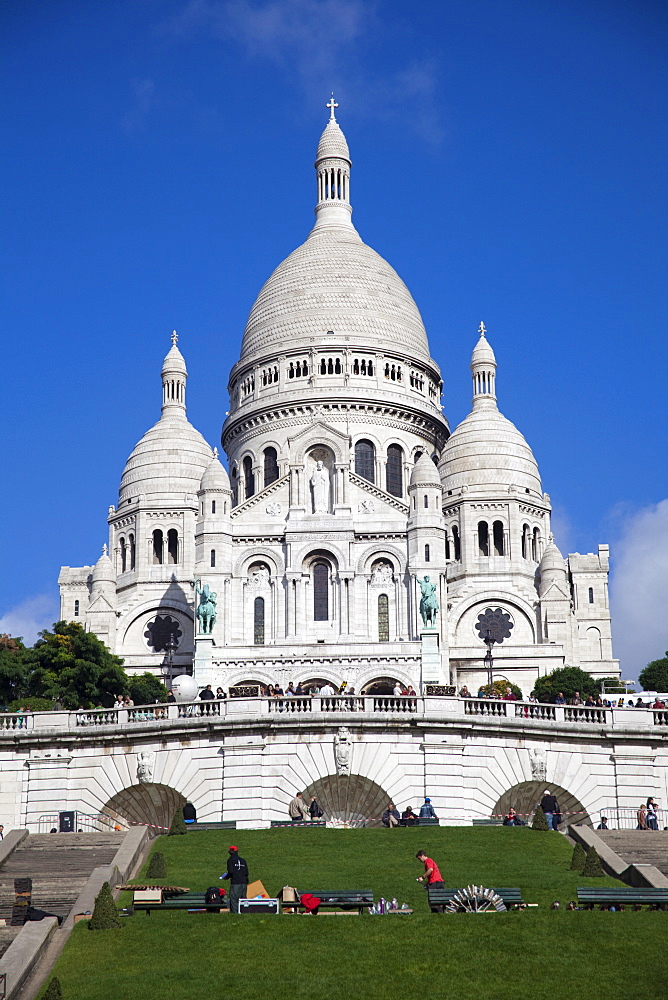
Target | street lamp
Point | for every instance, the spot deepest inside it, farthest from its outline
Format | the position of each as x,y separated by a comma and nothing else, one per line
168,662
489,659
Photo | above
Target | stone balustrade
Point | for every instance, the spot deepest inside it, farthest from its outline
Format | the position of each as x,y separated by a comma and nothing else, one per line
425,707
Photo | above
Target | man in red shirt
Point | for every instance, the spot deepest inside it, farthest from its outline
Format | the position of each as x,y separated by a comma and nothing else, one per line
432,875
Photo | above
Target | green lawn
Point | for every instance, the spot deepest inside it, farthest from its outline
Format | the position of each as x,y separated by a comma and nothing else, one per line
535,954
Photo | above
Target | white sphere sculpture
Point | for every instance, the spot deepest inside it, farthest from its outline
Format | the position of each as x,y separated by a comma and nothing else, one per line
184,687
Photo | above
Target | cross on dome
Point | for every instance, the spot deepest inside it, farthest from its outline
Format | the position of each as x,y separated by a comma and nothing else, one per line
175,338
482,329
331,104
105,550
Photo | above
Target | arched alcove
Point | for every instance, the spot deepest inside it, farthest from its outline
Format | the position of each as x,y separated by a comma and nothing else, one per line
350,798
526,796
153,805
381,685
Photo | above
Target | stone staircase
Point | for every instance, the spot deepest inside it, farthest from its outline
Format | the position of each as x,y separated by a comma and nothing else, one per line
639,847
59,865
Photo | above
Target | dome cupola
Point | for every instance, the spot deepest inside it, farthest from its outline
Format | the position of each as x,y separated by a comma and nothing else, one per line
103,578
552,569
215,477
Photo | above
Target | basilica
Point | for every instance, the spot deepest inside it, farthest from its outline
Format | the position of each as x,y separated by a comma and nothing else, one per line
347,501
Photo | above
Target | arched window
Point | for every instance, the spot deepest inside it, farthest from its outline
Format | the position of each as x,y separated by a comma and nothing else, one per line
383,619
330,367
591,595
76,609
321,592
249,483
483,538
158,547
365,461
499,541
426,553
213,506
448,548
213,557
235,486
535,545
258,621
270,466
456,544
123,554
337,367
172,546
394,479
131,545
426,501
526,541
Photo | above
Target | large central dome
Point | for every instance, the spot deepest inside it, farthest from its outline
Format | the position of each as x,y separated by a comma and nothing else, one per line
334,282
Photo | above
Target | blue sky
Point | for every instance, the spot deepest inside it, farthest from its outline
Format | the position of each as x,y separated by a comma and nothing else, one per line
509,159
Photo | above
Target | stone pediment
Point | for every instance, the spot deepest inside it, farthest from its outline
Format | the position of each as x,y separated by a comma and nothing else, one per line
319,425
366,499
101,603
270,504
556,592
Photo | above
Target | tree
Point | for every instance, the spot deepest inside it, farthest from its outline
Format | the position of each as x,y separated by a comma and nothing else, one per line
498,689
568,680
13,669
105,914
592,866
74,667
146,689
178,824
539,822
655,675
54,990
578,859
157,866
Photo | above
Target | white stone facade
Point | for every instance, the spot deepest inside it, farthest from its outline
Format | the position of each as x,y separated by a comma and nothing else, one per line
345,489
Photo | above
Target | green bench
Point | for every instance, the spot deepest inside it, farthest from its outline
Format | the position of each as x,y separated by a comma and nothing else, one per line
439,898
487,822
342,899
428,821
624,895
304,822
225,824
184,901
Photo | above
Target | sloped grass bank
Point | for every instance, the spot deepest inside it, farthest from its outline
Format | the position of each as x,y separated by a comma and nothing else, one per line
535,954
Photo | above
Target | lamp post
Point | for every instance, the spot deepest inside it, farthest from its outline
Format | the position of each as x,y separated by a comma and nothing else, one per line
489,659
168,662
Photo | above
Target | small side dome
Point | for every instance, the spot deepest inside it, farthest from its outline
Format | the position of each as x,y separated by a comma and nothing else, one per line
332,143
552,569
486,451
103,571
215,477
425,472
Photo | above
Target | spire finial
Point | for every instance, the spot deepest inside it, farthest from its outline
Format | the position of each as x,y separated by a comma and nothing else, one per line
331,104
175,338
482,330
215,452
104,549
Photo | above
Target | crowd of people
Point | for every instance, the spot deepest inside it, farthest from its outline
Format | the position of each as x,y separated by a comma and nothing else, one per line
575,700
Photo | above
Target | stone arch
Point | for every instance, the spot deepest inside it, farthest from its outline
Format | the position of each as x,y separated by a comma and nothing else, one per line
260,553
148,804
378,551
349,798
337,443
384,685
525,796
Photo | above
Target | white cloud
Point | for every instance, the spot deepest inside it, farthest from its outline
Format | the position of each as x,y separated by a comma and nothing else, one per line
29,617
639,588
562,529
323,43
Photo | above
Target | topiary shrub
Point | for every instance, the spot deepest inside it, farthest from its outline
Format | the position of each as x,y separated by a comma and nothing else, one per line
539,822
157,866
53,990
578,859
178,824
105,914
592,866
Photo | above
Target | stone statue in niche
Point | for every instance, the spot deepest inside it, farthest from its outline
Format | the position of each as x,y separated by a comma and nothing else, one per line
259,576
381,574
538,761
145,765
343,749
320,489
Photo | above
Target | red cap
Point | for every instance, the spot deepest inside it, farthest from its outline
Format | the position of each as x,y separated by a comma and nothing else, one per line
233,848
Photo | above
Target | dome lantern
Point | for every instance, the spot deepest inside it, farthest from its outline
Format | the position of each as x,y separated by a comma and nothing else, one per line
332,165
174,377
483,372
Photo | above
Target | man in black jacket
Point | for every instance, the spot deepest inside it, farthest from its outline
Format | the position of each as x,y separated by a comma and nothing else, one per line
550,807
237,873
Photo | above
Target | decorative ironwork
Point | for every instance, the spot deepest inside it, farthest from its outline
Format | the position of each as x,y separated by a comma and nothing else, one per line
494,625
160,631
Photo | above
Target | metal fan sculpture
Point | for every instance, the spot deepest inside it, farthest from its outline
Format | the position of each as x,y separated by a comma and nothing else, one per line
494,625
475,899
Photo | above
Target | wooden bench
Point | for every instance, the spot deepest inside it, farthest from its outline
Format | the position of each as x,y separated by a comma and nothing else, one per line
624,895
301,822
184,901
439,898
342,899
